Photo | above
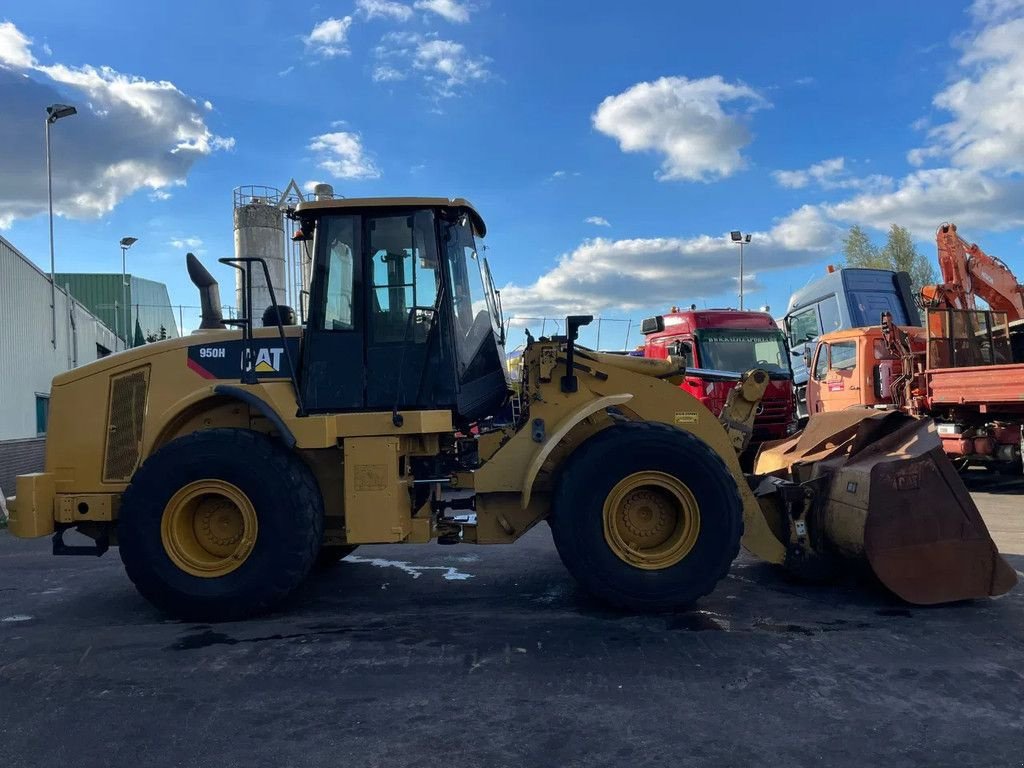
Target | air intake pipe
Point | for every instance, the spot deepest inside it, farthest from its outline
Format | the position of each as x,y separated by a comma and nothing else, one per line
209,293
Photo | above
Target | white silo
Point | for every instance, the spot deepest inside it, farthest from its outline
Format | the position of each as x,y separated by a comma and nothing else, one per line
259,231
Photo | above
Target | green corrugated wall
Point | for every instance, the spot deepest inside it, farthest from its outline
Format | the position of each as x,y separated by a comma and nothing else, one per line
149,301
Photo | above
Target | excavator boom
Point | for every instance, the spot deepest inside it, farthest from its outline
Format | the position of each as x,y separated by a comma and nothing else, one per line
969,273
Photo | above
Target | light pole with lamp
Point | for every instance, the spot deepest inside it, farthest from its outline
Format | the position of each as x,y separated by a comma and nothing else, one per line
126,243
742,239
54,112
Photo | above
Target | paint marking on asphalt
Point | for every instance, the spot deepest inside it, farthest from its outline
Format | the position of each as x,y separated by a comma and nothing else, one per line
450,574
15,618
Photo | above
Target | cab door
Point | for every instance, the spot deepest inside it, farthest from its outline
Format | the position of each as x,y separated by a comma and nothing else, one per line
836,376
331,376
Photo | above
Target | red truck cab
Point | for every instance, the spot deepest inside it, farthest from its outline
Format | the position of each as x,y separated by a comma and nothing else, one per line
733,341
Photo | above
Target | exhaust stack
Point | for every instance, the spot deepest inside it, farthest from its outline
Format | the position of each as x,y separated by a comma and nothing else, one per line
209,293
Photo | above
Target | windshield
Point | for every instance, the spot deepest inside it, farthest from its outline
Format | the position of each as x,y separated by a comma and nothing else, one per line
739,351
476,316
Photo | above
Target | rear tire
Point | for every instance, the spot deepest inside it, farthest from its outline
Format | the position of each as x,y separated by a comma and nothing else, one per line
220,525
637,473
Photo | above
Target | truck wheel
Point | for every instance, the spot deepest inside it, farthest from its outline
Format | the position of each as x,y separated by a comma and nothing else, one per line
331,554
646,517
219,525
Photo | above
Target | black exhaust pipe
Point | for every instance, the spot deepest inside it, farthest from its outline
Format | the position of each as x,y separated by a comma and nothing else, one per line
209,293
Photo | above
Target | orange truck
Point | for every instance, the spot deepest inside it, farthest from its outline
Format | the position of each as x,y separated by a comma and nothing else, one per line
960,370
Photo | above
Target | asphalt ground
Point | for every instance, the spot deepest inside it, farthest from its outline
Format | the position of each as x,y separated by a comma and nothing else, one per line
474,656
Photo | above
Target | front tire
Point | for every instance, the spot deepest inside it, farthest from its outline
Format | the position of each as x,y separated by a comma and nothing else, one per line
220,525
646,517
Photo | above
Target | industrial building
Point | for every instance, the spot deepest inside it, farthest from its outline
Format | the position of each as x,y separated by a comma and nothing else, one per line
35,345
149,313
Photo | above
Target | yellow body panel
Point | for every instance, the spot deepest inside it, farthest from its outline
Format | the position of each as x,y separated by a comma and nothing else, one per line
361,460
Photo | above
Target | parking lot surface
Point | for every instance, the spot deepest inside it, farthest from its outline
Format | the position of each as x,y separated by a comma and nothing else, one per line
473,656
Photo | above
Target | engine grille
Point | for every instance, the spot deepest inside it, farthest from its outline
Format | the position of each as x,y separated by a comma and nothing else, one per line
125,416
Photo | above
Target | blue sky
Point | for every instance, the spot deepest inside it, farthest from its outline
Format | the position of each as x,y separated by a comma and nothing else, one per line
666,123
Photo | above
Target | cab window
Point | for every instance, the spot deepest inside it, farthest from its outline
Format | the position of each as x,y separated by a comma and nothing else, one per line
338,311
803,326
683,349
821,362
843,355
830,320
403,268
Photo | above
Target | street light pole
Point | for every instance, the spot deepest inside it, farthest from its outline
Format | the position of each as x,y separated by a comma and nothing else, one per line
741,239
126,243
54,112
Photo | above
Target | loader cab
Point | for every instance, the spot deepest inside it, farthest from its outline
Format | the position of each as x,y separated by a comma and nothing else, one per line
403,313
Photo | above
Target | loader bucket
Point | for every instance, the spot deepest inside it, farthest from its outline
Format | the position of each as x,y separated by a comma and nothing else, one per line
887,496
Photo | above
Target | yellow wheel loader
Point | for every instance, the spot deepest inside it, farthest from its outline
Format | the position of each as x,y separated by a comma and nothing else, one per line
225,465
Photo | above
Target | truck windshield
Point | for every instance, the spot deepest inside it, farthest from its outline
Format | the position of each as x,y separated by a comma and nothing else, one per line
475,314
735,350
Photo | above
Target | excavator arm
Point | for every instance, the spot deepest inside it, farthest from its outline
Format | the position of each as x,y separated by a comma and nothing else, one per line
969,273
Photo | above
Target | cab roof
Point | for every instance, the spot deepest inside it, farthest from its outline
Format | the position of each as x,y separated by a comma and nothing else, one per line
396,202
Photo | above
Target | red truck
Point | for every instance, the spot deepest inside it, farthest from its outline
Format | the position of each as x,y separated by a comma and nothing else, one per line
714,342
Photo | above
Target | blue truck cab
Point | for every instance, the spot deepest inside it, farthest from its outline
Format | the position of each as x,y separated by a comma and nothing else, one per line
842,298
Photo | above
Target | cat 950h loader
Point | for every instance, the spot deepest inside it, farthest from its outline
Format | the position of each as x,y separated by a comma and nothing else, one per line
225,464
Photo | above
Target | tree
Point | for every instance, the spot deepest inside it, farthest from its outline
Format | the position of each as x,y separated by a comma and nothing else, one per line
899,254
859,251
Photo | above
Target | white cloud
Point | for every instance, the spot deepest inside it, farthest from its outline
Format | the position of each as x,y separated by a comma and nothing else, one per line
341,153
449,65
192,243
986,130
15,47
597,221
685,121
627,275
925,198
831,174
286,71
329,38
819,172
384,9
448,9
129,134
445,65
159,195
386,74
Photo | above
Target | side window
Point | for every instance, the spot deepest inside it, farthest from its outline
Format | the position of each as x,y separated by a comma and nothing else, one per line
844,355
339,312
402,265
803,326
683,349
830,320
821,362
42,413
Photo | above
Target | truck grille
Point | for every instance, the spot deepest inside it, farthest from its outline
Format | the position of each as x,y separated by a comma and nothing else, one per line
772,412
125,416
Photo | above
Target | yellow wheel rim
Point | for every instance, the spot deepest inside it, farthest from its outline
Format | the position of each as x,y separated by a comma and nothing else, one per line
208,528
651,520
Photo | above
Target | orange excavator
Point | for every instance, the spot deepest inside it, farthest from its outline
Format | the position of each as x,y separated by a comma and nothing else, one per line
968,273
